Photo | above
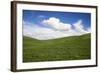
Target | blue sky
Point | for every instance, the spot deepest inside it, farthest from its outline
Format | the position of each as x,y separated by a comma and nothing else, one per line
44,25
36,17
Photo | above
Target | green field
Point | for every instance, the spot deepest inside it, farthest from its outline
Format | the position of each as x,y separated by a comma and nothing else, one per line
68,48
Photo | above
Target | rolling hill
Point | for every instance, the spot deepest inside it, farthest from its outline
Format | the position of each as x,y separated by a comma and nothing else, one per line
67,48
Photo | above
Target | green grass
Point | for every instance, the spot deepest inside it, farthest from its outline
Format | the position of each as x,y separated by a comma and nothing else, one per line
68,48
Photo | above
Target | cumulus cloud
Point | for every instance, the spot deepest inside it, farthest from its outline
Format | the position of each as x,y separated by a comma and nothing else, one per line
79,26
41,33
56,24
57,29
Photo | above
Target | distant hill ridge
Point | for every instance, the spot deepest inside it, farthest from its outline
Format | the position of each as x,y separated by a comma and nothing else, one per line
79,36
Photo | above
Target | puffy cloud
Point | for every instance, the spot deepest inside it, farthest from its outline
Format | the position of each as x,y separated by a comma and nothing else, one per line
57,29
41,33
56,24
78,26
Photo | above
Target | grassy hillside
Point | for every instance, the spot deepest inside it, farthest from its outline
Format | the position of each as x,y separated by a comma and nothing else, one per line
68,48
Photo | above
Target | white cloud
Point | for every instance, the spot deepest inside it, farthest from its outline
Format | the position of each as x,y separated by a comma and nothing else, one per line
55,31
56,24
79,27
41,33
41,16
